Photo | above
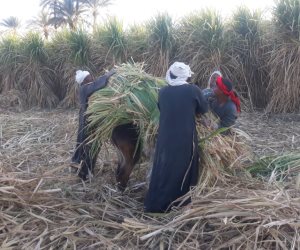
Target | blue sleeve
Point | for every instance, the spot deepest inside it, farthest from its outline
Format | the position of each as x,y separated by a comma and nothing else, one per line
89,89
201,102
207,93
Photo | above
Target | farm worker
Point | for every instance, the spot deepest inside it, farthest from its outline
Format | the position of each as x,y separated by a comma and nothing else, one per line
226,103
223,100
87,86
175,165
208,92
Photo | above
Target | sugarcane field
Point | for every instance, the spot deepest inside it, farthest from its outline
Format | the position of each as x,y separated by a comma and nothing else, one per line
172,133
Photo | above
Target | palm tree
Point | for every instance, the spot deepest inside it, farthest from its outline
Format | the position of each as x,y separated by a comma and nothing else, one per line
69,12
43,22
11,23
64,12
94,6
51,5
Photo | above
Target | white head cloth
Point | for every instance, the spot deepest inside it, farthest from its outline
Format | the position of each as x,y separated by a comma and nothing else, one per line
217,72
81,75
181,71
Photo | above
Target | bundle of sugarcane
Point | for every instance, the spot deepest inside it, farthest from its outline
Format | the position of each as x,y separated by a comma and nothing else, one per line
221,156
131,97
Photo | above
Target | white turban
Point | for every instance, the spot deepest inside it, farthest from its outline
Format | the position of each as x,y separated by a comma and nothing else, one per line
181,71
81,75
211,76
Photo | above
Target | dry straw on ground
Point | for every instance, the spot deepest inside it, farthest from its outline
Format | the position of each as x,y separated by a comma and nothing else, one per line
44,206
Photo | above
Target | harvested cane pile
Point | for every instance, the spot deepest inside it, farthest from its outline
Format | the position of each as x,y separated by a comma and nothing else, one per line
131,97
44,206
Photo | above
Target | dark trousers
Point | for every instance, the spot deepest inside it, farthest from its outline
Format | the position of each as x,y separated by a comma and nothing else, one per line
84,154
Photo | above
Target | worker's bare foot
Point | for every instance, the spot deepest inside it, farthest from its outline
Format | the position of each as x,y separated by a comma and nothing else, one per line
74,167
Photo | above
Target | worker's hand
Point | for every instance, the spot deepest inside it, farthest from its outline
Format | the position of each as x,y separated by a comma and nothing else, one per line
204,121
208,93
107,75
209,124
110,73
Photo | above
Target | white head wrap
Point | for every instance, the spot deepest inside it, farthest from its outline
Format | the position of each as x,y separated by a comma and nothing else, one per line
217,72
81,75
181,71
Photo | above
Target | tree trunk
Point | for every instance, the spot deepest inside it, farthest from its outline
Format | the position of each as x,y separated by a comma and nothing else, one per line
46,33
55,14
94,19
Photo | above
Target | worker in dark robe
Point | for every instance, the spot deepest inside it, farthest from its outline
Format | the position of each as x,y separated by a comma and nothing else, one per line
87,86
175,165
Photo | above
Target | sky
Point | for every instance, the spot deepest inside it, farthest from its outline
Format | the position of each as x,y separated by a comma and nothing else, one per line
135,11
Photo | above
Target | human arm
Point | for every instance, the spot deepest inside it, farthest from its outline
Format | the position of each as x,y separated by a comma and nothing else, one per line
201,102
100,83
207,93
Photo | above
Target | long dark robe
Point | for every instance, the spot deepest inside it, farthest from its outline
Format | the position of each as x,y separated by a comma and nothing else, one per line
82,152
175,166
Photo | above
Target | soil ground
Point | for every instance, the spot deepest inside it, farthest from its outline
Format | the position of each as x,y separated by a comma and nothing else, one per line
44,204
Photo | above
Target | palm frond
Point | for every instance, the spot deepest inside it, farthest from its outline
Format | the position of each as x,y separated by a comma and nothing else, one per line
161,44
249,44
137,38
286,15
36,77
11,22
205,45
10,47
277,167
69,51
110,42
284,58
